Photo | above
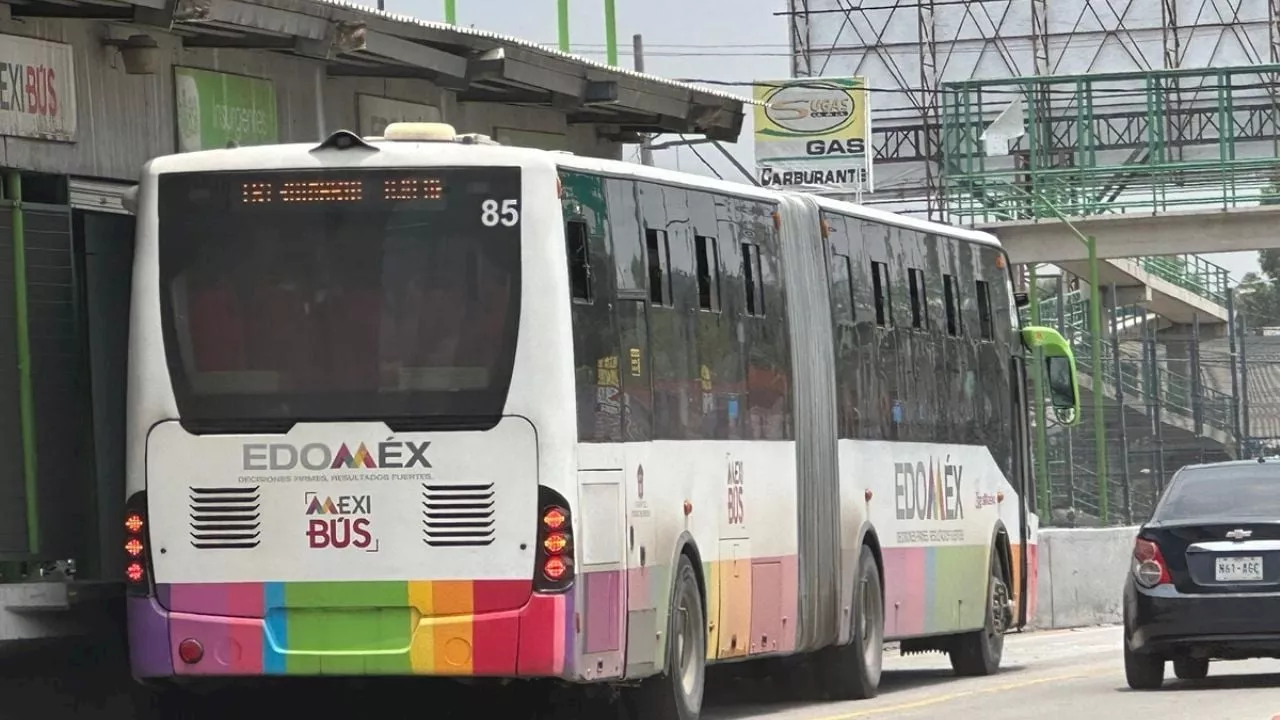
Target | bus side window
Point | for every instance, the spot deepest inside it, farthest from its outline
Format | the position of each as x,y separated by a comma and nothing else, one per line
752,279
658,249
767,339
576,246
707,257
716,367
852,354
950,292
672,295
631,273
882,292
986,329
596,357
628,238
842,289
919,306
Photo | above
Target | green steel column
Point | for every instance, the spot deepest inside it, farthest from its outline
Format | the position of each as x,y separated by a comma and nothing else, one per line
26,399
611,32
451,11
1043,485
1095,349
563,9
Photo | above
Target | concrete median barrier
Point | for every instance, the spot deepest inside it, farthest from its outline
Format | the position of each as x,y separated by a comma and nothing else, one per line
1081,576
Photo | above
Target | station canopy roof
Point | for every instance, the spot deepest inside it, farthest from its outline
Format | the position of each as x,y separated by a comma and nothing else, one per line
479,66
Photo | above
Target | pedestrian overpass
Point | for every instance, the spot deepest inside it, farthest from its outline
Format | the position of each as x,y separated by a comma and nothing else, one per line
1156,167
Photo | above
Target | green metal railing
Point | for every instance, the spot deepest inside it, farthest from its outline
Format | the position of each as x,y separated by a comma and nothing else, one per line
1191,272
1142,142
1138,143
1075,486
1134,143
997,195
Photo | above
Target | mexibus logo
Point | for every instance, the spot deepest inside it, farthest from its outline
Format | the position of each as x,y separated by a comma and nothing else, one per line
346,524
318,456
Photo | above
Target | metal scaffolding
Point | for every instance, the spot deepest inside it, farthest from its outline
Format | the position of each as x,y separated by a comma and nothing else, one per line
909,49
1113,143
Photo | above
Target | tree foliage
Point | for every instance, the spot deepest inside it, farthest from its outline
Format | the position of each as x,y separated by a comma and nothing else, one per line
1258,295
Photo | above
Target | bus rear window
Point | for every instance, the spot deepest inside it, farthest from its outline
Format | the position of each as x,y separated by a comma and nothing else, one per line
318,295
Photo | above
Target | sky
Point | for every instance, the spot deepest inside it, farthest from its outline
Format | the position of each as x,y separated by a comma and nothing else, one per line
721,40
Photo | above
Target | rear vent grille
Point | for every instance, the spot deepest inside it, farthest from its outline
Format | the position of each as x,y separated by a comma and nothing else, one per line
225,518
457,515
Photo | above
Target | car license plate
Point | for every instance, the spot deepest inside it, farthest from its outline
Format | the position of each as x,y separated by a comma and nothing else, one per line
1238,569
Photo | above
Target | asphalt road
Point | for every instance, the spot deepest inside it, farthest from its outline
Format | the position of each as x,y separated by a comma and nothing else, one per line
1051,675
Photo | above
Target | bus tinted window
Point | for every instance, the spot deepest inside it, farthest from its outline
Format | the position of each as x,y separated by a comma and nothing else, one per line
1225,491
322,295
575,236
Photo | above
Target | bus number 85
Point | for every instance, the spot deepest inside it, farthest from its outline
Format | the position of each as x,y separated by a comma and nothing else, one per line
506,213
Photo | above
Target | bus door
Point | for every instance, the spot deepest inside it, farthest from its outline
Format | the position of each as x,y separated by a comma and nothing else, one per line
637,427
1024,480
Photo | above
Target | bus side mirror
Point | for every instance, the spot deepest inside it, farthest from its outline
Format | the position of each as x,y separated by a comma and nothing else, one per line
1060,371
1021,300
1064,392
129,200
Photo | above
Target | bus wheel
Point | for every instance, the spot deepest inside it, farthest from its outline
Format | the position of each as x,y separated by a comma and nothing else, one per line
852,672
978,654
676,694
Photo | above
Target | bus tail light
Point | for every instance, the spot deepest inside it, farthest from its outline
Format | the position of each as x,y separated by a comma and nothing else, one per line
554,572
136,555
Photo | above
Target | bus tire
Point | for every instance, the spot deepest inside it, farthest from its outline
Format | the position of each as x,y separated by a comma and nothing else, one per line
676,693
852,671
978,653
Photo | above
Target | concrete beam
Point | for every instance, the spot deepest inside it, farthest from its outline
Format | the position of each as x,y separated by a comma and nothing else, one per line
1126,296
1183,332
411,53
1128,235
1166,299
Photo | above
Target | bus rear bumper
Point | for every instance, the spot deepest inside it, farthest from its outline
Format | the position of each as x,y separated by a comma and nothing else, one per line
535,641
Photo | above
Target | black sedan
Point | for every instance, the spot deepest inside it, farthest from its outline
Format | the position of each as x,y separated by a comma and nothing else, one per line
1205,579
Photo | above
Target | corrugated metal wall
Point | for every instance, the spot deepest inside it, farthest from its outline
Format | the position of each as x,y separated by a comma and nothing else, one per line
61,402
57,380
13,522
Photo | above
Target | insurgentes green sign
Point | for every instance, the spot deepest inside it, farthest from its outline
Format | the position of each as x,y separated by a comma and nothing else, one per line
218,110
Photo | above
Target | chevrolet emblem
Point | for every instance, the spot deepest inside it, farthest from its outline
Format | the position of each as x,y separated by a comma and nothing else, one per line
1240,534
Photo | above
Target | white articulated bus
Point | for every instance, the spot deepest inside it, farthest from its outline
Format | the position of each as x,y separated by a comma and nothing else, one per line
424,404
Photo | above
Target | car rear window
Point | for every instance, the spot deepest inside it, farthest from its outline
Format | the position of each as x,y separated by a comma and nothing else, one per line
1230,491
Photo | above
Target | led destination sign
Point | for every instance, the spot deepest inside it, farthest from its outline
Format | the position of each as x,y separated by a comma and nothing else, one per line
293,191
432,190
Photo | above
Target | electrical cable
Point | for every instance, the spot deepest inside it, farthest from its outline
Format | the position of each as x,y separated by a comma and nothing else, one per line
704,161
974,85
